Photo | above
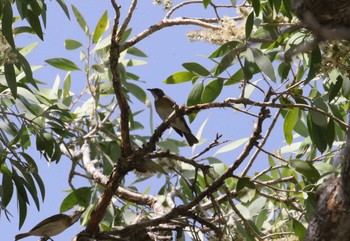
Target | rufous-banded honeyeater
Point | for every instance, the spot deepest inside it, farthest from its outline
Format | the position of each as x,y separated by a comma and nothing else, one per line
52,226
165,106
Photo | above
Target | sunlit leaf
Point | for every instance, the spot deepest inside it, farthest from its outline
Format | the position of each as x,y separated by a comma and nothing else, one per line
299,229
62,63
290,120
100,27
27,49
179,77
71,44
231,146
81,21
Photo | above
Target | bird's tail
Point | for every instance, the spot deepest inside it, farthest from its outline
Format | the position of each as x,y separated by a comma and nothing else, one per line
191,139
21,235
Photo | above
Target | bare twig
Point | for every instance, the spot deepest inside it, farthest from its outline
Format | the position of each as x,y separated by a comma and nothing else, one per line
126,21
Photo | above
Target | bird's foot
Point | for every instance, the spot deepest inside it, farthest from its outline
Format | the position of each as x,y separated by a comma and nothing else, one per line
45,238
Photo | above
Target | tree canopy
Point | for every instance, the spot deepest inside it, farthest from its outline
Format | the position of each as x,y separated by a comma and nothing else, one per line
277,86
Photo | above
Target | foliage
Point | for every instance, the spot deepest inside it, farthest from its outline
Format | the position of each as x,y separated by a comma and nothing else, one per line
304,101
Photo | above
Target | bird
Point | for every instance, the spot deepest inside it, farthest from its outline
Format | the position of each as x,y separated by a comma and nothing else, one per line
52,226
165,106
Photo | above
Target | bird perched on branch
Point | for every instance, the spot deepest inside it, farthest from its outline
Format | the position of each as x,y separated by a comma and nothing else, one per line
165,106
52,226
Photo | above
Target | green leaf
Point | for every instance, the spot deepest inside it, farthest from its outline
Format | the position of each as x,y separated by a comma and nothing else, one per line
133,62
196,68
80,196
256,6
27,69
330,133
235,78
194,98
6,23
335,88
64,7
317,117
224,49
180,77
100,27
283,70
62,63
206,3
306,169
22,211
138,92
316,134
136,52
257,205
250,68
264,63
27,49
231,146
277,5
10,76
22,198
40,184
212,90
226,61
71,44
34,22
290,120
299,229
286,8
261,218
7,187
315,62
67,85
245,189
81,21
249,25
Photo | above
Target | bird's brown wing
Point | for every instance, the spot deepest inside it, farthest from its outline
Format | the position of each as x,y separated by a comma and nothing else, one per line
53,218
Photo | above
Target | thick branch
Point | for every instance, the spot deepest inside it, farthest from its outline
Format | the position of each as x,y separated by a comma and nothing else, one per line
163,24
116,80
331,220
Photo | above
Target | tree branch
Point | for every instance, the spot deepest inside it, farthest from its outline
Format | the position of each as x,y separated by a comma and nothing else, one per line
163,24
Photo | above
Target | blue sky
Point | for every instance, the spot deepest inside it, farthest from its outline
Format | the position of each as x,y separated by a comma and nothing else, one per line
166,50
